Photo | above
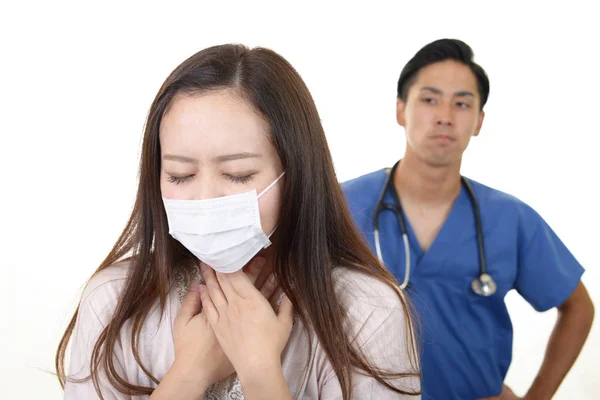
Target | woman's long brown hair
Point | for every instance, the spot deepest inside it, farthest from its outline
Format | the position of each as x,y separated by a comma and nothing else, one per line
316,232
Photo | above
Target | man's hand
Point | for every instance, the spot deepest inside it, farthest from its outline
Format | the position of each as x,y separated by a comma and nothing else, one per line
507,394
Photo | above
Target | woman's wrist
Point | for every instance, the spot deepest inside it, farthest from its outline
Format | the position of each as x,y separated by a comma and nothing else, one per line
265,381
181,383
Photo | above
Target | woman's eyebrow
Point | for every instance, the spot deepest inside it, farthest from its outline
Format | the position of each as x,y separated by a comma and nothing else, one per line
235,156
184,159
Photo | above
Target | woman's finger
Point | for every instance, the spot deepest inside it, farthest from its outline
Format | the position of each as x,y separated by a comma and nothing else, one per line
213,288
285,314
191,304
276,298
208,308
254,269
242,285
228,290
269,287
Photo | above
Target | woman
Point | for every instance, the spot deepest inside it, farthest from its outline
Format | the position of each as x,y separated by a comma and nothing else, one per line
237,184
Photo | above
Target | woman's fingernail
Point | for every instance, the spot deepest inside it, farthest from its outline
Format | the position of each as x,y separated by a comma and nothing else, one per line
202,288
194,285
280,299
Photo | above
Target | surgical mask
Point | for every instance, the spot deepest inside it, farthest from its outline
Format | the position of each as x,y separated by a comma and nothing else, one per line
224,232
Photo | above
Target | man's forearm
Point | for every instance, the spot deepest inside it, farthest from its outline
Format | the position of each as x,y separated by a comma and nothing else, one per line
565,343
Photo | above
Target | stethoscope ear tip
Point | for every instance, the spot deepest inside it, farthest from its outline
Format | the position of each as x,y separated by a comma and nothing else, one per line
484,285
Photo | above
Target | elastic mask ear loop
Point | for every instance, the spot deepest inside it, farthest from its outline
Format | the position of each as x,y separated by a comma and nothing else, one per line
265,191
271,185
273,231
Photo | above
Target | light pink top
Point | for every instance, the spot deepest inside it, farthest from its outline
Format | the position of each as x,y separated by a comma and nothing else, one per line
377,323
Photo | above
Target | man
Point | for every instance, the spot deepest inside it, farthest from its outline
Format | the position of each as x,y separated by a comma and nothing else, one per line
456,278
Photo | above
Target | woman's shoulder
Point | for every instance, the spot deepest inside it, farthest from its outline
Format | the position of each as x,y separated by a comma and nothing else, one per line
102,291
107,282
370,304
361,289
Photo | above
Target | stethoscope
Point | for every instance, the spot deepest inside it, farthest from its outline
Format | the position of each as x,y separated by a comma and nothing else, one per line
482,285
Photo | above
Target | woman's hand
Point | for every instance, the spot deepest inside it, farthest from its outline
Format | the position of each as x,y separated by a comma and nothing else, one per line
251,334
199,359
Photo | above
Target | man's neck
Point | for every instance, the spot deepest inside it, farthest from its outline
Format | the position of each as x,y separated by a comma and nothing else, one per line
418,181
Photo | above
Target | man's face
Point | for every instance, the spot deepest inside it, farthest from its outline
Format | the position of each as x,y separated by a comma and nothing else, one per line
441,113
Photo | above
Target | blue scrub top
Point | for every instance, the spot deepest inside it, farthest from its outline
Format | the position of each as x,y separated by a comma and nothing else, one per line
467,339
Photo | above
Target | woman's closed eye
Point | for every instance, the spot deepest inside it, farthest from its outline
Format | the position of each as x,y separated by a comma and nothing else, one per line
179,179
239,178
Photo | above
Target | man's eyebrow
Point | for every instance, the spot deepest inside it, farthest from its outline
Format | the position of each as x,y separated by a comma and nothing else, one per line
460,93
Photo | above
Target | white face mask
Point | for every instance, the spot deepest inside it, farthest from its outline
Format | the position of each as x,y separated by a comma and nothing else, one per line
224,232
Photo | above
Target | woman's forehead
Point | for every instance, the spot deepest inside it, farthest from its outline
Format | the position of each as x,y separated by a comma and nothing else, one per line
213,122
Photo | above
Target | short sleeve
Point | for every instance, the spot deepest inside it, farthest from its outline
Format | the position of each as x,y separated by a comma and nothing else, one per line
547,272
95,311
379,326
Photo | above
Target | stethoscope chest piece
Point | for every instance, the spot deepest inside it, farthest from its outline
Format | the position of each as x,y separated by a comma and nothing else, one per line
484,285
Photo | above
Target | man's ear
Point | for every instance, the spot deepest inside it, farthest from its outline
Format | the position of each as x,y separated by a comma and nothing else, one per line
480,123
400,108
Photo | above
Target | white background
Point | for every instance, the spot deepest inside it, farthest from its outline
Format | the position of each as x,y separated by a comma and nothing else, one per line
76,82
